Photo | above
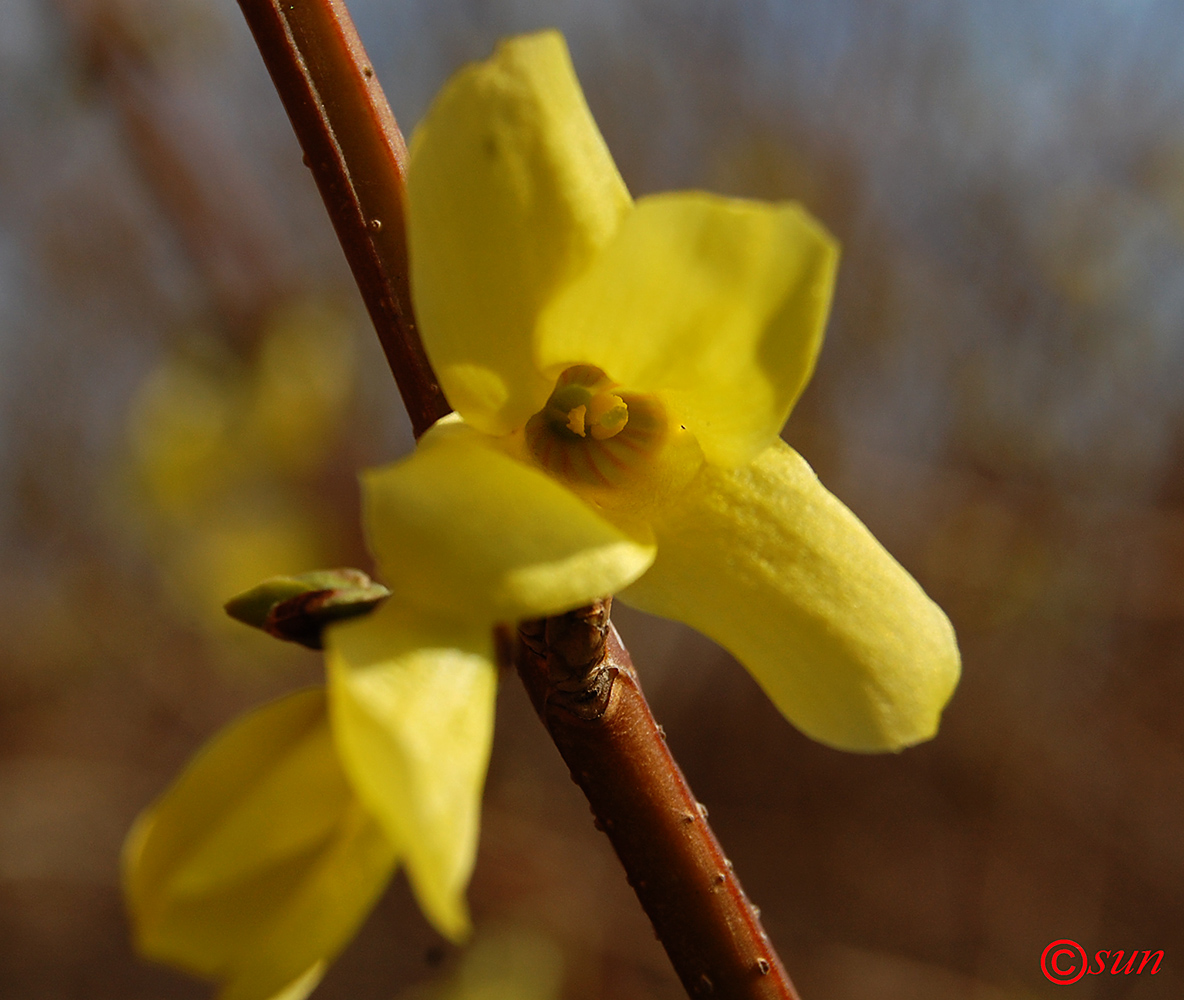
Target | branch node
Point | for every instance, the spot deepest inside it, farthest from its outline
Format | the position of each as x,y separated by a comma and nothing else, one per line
571,652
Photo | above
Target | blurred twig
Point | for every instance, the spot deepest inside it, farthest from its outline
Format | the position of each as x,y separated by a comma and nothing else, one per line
216,208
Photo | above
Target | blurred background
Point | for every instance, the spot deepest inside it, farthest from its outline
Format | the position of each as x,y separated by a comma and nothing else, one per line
188,385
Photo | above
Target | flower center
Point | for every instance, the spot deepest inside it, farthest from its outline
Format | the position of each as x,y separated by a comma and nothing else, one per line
583,403
590,433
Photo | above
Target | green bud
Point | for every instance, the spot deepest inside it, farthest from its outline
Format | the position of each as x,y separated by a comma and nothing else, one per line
297,608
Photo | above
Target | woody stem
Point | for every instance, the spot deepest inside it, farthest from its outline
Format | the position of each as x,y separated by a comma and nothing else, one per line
574,667
588,695
356,154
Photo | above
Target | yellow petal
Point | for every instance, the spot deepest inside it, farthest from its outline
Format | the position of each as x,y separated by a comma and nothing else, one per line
511,190
321,916
770,565
716,304
258,864
412,705
467,530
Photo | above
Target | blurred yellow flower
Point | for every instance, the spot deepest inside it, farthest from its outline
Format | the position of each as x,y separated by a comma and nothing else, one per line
503,963
223,452
621,372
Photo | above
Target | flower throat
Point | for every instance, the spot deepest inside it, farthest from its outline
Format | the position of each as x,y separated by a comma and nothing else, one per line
589,433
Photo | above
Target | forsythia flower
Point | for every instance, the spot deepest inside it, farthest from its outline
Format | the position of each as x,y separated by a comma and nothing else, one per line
621,372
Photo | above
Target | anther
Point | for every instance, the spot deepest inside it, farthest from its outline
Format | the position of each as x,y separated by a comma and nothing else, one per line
575,420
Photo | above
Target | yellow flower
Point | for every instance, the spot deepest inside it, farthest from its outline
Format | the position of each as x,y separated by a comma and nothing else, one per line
621,372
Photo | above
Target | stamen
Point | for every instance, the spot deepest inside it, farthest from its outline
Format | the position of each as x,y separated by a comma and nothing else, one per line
575,421
589,433
584,401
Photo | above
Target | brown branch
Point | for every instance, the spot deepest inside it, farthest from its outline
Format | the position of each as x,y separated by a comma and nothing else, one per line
579,676
588,695
355,151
